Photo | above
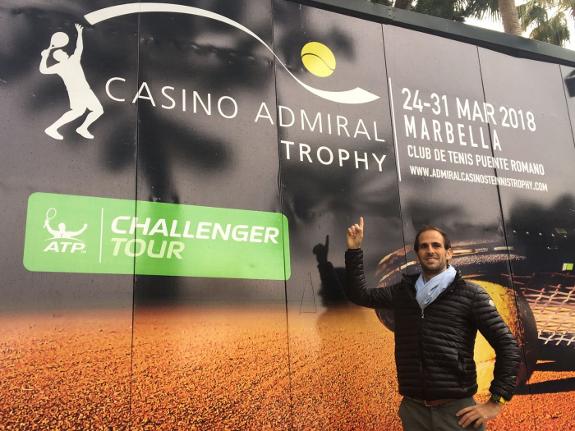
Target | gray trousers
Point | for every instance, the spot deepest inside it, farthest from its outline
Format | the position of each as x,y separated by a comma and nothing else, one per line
417,417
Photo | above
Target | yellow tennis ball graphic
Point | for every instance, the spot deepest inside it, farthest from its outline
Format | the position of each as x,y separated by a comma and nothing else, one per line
318,59
512,309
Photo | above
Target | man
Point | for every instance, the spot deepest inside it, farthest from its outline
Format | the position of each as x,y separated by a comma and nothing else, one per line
437,315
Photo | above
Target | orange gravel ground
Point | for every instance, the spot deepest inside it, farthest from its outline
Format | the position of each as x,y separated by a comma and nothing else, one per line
222,369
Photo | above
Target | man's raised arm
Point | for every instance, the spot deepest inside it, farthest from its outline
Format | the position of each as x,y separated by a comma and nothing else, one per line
355,284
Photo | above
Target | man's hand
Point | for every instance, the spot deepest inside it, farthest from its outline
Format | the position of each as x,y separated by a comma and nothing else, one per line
355,235
479,414
79,28
321,251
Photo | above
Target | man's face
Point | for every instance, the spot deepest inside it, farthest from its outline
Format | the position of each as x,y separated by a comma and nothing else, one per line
432,254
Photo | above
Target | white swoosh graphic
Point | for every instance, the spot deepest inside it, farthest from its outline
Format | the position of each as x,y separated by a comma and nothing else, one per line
355,96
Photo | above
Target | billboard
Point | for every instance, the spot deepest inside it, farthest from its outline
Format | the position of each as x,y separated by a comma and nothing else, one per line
177,180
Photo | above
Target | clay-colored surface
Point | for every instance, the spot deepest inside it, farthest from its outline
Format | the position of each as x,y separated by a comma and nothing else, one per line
197,369
224,369
65,371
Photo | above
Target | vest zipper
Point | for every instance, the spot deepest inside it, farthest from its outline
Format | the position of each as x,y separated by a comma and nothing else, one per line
422,360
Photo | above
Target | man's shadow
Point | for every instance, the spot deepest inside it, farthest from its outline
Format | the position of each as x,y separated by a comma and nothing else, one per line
332,279
341,328
555,360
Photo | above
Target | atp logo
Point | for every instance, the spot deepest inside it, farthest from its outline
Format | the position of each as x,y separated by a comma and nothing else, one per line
63,240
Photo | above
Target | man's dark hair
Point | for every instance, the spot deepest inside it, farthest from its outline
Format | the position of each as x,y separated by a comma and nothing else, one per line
446,240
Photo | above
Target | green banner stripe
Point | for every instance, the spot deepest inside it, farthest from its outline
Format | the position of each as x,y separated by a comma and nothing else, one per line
86,234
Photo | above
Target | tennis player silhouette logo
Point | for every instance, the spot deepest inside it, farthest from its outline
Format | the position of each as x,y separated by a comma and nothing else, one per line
69,68
61,232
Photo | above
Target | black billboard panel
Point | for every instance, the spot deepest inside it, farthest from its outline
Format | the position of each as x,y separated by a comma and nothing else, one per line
65,333
210,335
537,142
447,154
177,178
438,139
536,152
336,164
